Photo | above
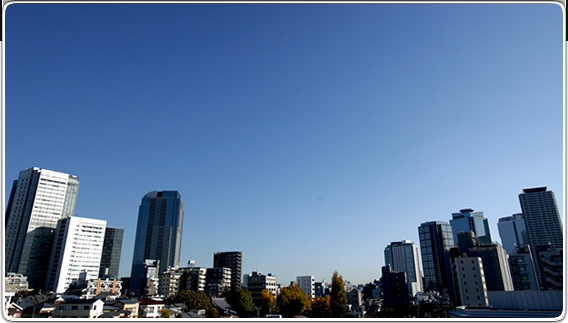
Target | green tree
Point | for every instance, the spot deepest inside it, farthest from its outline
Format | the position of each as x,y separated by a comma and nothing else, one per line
266,302
292,301
338,299
195,299
321,307
241,301
164,312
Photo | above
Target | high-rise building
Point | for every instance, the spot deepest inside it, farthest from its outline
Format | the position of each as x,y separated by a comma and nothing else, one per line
158,234
308,285
112,248
541,216
512,231
435,238
467,220
402,256
77,249
233,260
542,221
39,198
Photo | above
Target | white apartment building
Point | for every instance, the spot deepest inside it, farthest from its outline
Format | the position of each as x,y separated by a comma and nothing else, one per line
77,248
308,285
38,199
469,280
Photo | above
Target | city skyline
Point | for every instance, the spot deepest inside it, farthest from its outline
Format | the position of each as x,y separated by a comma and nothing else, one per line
307,136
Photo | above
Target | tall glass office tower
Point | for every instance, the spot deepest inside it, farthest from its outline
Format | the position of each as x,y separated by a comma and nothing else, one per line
39,198
158,234
467,220
435,238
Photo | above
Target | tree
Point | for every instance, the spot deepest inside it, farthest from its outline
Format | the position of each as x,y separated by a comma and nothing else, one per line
212,313
321,307
266,302
164,312
195,299
338,298
241,301
292,301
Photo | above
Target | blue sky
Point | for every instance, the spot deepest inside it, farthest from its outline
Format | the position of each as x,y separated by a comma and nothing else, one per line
308,136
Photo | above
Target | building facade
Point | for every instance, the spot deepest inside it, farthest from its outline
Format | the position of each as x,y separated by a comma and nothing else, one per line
232,260
402,256
469,281
435,238
542,219
494,257
543,223
217,281
522,269
158,234
112,249
258,282
39,198
308,285
77,249
467,220
512,231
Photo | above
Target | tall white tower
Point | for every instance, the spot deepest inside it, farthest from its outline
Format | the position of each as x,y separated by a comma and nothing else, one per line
39,198
403,257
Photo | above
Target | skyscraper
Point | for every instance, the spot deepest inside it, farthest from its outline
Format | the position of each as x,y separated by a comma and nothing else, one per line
402,256
542,218
77,248
39,198
512,231
435,238
233,260
112,249
543,224
158,234
467,220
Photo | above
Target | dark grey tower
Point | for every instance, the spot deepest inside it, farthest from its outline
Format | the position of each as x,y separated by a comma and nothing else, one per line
543,223
158,234
112,248
435,238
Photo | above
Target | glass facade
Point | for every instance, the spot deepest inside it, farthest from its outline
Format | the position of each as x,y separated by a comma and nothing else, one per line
158,233
467,220
435,238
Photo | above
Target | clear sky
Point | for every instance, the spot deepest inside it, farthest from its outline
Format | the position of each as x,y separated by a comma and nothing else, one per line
307,136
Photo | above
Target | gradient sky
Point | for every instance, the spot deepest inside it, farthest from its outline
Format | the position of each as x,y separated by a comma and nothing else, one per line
307,136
